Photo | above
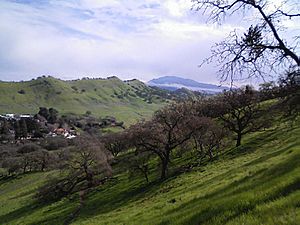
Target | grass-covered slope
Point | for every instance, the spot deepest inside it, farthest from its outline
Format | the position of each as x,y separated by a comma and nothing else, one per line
103,97
257,183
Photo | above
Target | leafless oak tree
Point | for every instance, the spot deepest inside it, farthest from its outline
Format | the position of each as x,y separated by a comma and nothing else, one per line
170,127
115,142
240,112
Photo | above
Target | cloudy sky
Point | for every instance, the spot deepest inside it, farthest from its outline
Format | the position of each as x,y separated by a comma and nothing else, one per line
140,39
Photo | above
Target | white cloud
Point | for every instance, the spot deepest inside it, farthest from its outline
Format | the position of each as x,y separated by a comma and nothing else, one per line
131,38
178,8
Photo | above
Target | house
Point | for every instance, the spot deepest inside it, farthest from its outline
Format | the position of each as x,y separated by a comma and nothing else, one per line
8,116
25,116
60,131
64,132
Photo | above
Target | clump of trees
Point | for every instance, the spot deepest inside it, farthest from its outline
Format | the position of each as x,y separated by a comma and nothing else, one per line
28,158
87,166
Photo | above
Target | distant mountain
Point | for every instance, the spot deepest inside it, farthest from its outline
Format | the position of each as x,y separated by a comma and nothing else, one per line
173,83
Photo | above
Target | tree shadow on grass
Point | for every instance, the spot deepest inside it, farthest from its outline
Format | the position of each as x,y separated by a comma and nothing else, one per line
27,210
109,201
32,207
19,213
239,197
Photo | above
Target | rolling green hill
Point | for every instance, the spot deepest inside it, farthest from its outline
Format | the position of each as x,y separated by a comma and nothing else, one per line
126,101
256,183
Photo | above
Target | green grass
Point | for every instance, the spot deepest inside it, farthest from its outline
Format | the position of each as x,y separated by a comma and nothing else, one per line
103,97
257,183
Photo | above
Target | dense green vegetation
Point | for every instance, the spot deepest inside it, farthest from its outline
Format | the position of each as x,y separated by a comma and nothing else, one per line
256,183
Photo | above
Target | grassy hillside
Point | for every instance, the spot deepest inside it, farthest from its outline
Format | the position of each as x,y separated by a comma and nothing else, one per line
102,97
257,183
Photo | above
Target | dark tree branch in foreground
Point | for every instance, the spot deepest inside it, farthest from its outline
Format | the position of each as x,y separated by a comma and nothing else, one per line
262,46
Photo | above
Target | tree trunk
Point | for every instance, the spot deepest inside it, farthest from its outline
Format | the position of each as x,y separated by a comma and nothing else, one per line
43,167
146,176
239,139
89,179
164,168
24,168
210,154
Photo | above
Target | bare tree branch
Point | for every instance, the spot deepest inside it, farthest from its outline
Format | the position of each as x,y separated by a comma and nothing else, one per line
261,50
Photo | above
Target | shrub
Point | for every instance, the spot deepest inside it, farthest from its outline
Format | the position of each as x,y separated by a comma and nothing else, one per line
55,143
28,148
22,92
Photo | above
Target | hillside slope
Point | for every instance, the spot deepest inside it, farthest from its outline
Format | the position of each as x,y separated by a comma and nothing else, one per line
257,183
103,97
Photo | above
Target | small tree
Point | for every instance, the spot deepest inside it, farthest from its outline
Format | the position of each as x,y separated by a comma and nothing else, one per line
240,111
139,163
44,112
4,127
115,142
12,164
267,90
90,160
42,159
23,129
53,115
289,88
4,130
209,141
17,129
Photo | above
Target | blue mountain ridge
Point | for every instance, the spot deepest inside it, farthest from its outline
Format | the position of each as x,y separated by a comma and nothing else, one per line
174,83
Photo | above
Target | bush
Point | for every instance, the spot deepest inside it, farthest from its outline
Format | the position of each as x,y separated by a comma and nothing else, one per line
12,165
28,148
22,92
74,88
55,143
54,190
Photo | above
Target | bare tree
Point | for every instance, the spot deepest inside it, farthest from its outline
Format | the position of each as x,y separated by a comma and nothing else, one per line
209,141
262,49
289,91
87,166
89,160
115,142
170,128
139,164
240,111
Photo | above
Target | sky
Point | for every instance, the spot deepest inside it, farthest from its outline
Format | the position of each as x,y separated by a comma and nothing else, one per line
141,39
